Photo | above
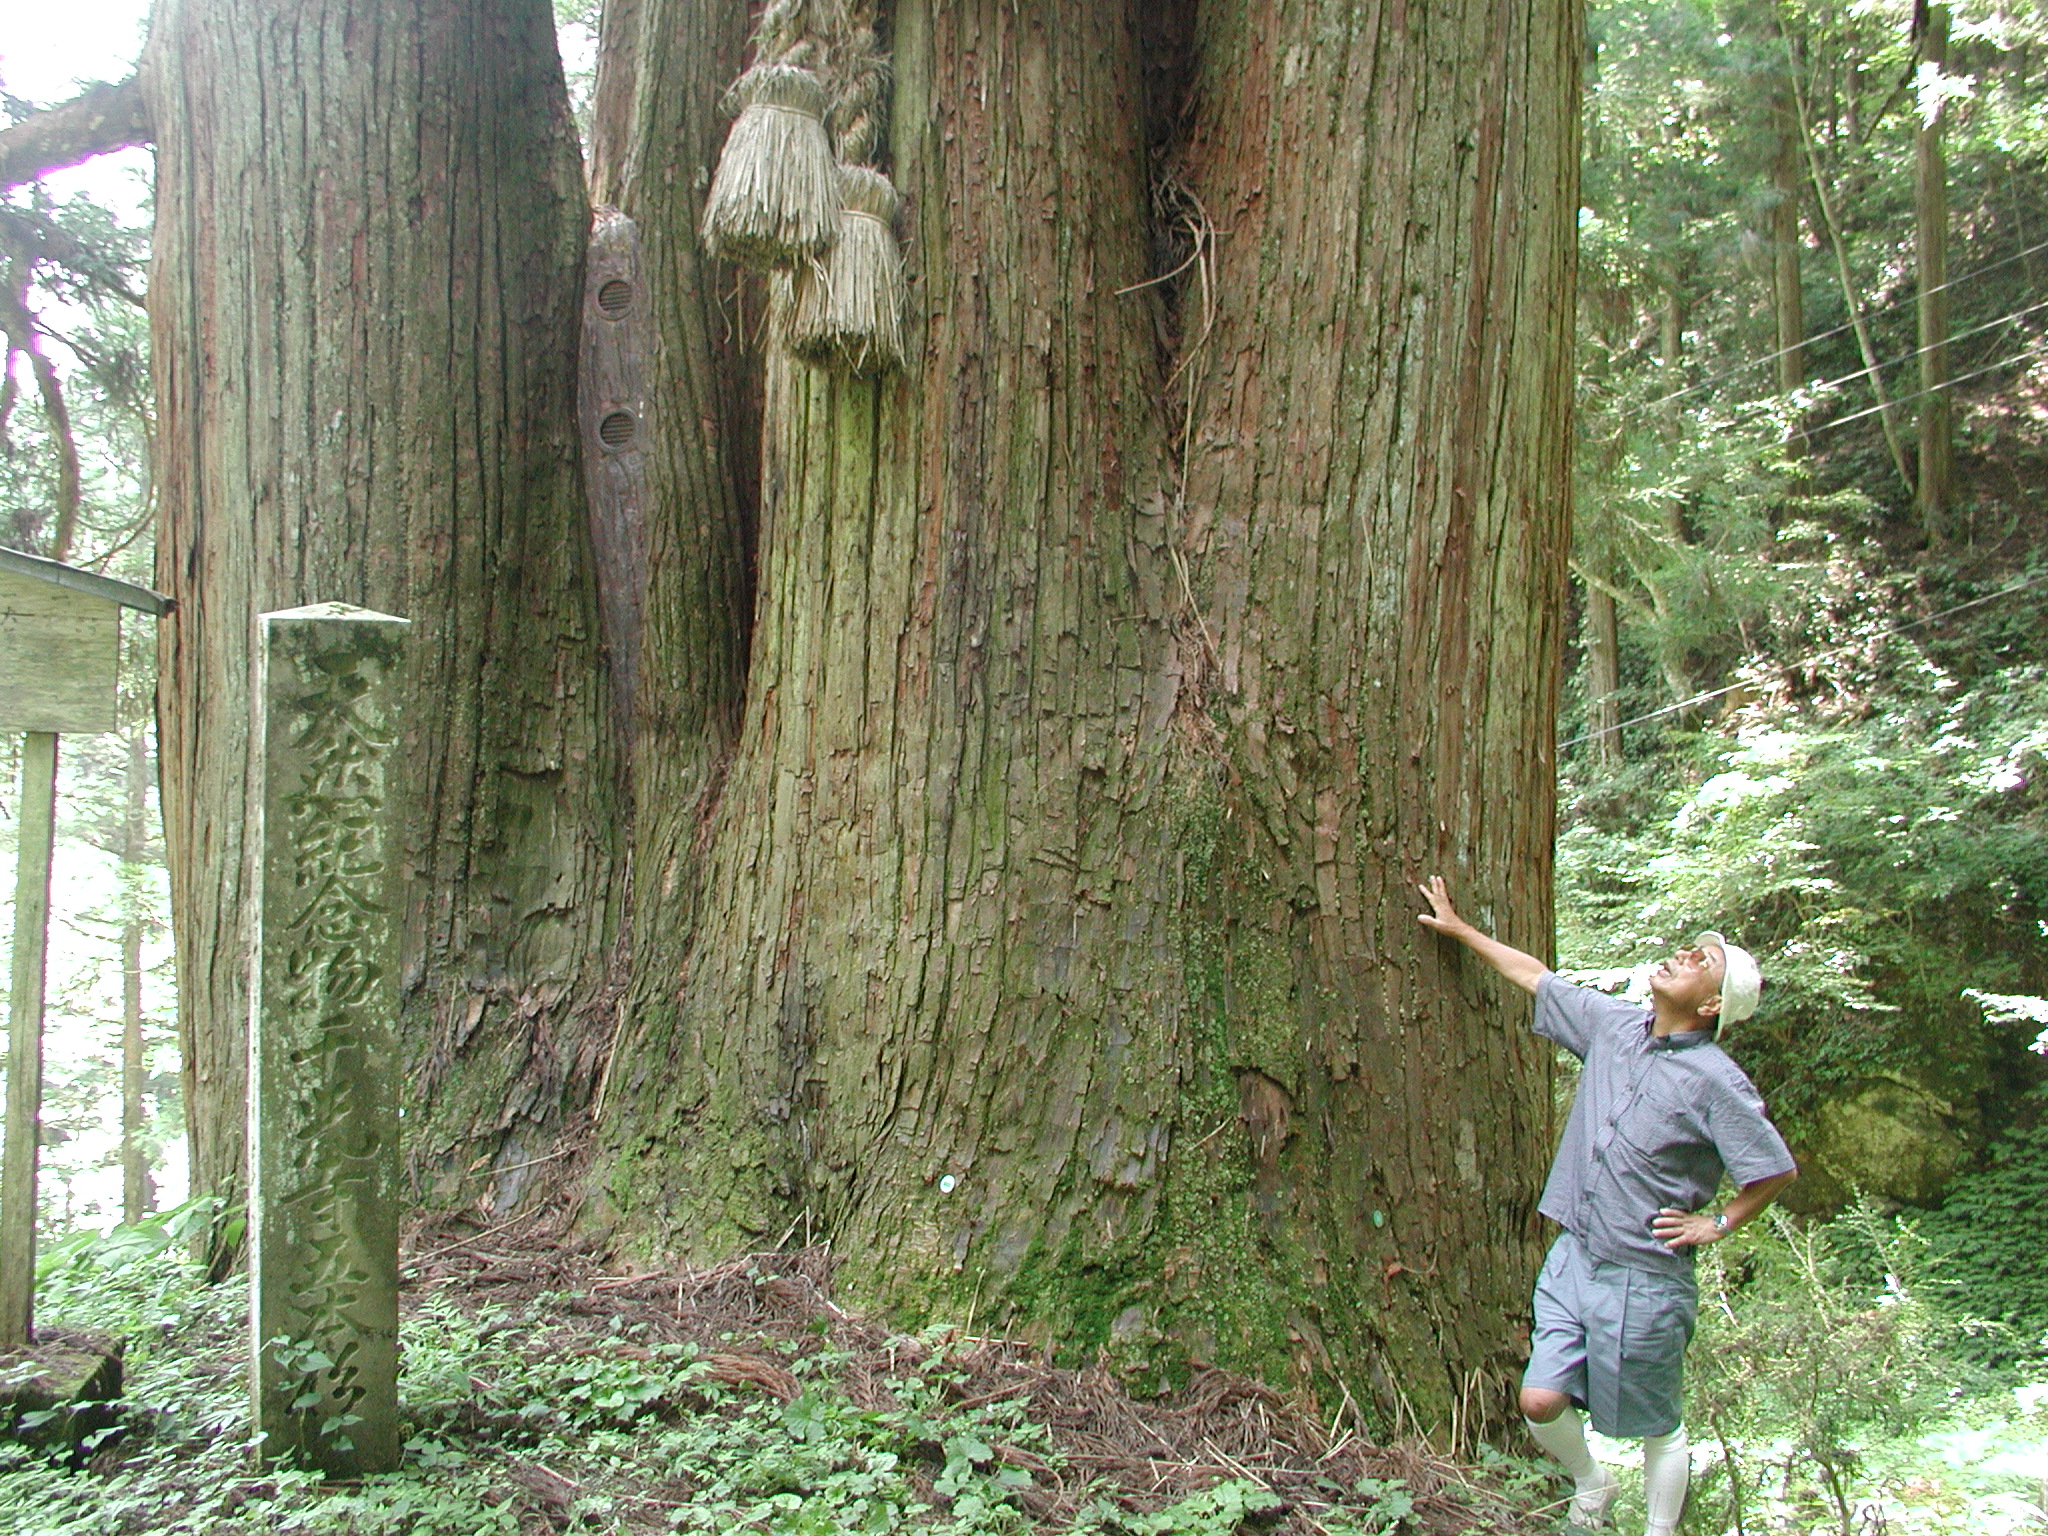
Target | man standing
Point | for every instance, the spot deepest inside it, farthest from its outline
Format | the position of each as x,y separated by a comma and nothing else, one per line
1660,1114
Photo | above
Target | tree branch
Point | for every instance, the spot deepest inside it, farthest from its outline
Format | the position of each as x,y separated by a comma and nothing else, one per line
20,330
41,239
100,119
1621,595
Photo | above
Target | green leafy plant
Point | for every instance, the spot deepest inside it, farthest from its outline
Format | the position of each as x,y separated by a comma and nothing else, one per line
1878,865
1387,1502
1221,1510
1988,1232
1817,1336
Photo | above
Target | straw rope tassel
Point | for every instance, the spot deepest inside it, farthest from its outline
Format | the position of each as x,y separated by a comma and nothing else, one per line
775,198
847,307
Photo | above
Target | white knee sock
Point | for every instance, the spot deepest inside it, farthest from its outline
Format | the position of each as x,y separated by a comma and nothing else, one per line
1565,1438
1667,1467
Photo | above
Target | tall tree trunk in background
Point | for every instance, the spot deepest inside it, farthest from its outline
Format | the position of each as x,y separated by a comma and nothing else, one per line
1671,352
1934,486
1603,676
1824,204
1788,295
1671,422
1056,949
370,224
138,1192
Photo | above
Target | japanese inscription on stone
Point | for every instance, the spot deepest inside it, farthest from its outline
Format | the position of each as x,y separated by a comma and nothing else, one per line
323,1059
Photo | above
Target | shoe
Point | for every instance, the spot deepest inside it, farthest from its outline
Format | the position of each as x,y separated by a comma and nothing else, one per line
1588,1510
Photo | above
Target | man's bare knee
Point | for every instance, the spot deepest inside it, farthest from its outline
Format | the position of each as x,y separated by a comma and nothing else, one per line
1541,1405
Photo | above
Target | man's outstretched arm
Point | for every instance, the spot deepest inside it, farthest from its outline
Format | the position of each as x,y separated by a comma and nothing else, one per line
1523,970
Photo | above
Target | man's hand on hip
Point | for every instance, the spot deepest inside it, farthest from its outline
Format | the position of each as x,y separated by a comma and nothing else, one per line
1677,1229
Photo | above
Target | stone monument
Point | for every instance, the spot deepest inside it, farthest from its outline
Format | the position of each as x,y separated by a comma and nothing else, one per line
323,1056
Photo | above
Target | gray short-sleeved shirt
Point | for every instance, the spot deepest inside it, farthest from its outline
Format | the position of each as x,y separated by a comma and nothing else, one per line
1655,1123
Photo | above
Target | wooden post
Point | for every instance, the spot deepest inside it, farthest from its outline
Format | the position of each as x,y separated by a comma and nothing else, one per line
138,1197
612,412
323,1057
25,1039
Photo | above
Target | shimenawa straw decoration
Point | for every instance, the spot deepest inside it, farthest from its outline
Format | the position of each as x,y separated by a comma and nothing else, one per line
775,197
847,307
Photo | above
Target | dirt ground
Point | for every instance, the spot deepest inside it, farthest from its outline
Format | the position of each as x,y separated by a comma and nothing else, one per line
752,1316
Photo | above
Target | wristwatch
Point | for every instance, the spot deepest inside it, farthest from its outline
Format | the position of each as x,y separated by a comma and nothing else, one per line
1720,1223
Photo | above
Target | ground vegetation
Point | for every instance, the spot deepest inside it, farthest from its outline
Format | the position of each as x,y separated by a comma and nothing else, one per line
543,1393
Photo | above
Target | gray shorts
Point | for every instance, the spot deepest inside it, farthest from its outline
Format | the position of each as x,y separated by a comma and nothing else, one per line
1612,1339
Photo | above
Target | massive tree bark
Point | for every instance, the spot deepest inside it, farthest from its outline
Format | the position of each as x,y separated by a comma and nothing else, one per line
1376,494
364,299
1115,672
937,937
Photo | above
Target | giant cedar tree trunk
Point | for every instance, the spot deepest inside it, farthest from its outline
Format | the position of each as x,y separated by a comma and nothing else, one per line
1056,948
1377,493
939,879
657,126
369,239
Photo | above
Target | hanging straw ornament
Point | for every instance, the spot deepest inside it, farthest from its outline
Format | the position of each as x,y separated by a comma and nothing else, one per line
775,198
847,307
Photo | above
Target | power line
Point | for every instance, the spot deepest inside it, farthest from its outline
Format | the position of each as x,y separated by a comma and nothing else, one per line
1949,340
1715,693
1771,357
1634,412
1961,378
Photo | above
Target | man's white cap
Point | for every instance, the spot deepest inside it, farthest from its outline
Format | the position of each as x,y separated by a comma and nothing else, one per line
1742,979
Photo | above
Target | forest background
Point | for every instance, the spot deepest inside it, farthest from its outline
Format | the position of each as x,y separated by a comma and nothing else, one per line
1806,700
